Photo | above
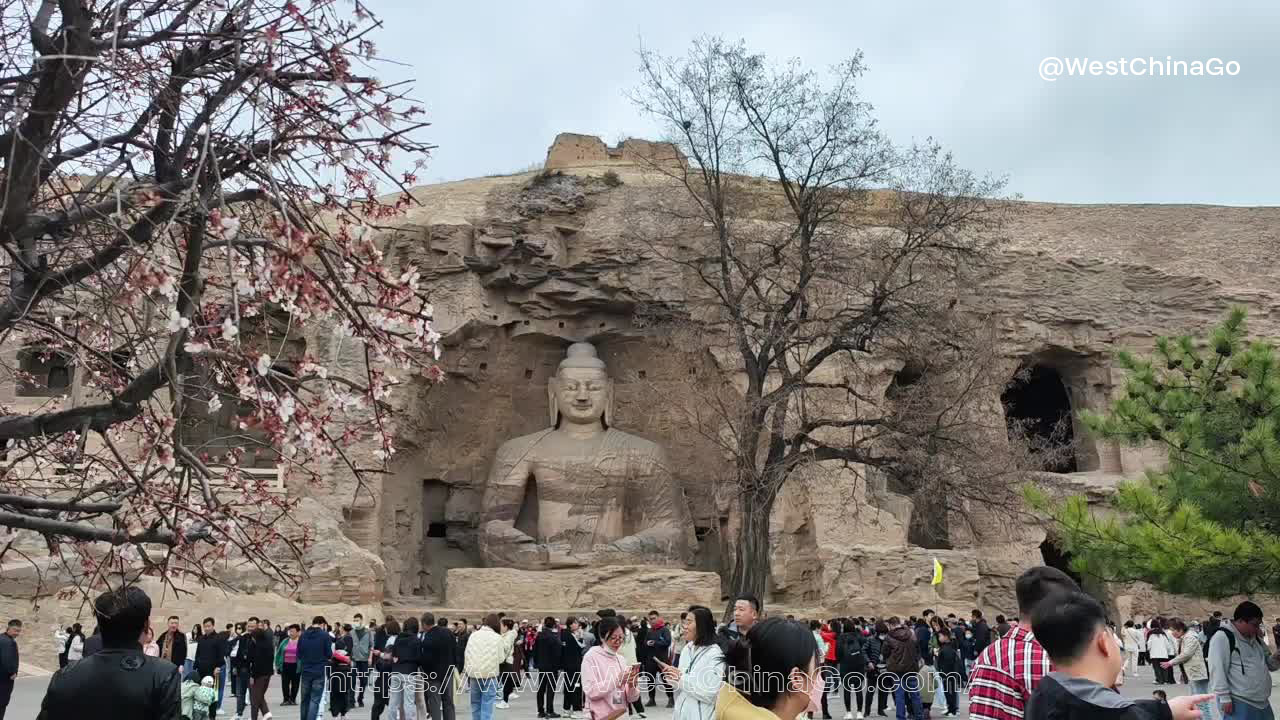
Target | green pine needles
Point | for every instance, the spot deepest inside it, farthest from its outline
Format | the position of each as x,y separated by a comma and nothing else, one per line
1209,523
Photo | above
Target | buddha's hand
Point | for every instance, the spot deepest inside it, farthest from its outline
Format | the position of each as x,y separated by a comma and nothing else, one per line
504,545
632,545
501,534
561,555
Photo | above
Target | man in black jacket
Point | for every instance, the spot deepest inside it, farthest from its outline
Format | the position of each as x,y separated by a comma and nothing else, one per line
547,651
8,662
173,643
981,633
1072,628
211,651
119,682
438,651
746,611
658,644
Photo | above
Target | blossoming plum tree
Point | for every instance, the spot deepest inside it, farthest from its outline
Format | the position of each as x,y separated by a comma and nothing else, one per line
191,196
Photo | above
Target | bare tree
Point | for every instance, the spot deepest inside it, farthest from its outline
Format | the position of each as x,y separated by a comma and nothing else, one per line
809,276
186,186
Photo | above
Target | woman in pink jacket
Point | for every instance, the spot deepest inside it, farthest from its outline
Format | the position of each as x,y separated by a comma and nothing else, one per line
608,681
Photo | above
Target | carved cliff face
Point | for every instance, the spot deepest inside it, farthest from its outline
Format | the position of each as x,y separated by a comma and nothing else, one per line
582,394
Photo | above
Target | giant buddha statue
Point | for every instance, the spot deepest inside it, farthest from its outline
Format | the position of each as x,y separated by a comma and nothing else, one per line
603,497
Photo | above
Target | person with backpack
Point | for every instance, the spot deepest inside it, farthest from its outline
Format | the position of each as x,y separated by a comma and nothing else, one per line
873,648
901,655
1240,666
852,664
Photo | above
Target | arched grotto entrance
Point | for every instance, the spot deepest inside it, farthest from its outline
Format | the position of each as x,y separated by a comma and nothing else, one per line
1038,411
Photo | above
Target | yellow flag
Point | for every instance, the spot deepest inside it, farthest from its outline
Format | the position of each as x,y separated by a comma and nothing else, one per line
937,572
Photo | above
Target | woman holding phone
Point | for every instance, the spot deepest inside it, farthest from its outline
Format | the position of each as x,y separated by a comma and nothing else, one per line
608,680
700,673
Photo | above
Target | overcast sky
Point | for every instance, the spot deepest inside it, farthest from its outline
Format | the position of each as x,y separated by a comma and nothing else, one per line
500,79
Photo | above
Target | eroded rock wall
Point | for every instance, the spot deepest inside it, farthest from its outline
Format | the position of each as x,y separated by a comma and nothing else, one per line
526,264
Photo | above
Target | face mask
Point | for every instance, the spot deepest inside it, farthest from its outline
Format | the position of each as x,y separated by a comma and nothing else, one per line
816,688
359,626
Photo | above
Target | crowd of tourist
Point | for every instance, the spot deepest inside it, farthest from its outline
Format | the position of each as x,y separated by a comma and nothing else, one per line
1059,658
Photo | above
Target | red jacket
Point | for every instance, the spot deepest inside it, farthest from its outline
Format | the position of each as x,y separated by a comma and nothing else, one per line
830,637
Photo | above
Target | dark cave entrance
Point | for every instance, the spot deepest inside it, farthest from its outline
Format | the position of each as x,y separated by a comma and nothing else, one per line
1055,557
1038,409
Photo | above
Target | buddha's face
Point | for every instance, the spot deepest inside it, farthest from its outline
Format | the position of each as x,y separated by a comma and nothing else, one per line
581,394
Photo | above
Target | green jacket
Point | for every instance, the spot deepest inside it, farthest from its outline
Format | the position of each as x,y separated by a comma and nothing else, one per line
280,654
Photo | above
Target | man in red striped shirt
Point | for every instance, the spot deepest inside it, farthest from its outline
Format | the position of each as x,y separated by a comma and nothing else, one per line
1008,670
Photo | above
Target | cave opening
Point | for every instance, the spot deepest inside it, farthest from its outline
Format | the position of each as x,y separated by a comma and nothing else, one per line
1056,557
1037,409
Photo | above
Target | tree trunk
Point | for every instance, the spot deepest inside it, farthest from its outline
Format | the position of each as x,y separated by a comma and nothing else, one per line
751,568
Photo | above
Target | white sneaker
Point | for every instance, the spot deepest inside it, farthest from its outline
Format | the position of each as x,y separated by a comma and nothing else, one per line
266,717
859,716
502,705
848,716
515,696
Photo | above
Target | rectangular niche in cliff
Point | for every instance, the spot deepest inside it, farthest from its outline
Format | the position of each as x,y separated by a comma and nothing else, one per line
433,559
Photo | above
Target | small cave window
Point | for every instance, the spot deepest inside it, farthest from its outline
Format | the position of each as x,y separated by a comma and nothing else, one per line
212,430
910,374
437,530
1038,412
45,372
700,532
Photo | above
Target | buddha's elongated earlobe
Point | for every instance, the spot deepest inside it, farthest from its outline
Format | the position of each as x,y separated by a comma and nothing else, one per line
551,402
608,404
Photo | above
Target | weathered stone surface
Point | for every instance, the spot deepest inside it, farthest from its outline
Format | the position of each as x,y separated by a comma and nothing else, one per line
1141,599
581,589
523,265
527,264
889,580
339,571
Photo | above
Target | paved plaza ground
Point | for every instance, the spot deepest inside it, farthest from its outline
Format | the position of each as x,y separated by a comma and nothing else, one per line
29,691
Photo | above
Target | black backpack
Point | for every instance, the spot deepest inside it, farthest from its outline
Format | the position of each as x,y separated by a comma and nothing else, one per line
1231,641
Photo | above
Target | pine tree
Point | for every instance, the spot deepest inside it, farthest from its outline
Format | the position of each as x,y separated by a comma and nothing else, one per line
1208,524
